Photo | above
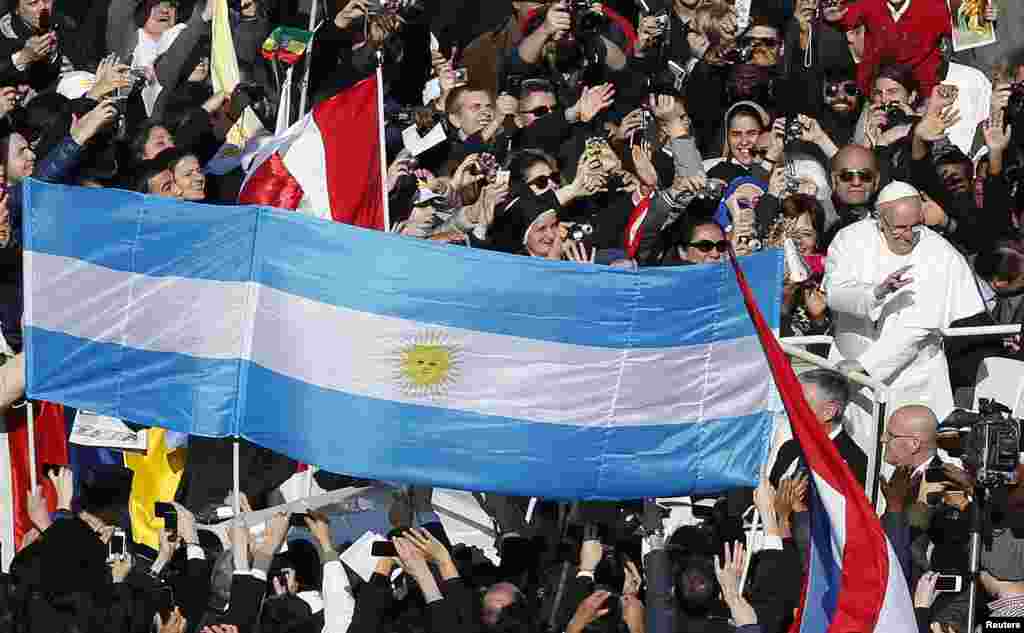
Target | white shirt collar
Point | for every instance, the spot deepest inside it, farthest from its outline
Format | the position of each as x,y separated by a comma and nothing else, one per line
943,457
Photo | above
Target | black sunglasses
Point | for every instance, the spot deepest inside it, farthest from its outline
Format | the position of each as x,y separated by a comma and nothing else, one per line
539,111
848,88
864,175
706,246
541,182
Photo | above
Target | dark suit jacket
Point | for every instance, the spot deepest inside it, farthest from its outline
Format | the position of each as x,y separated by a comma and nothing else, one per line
848,450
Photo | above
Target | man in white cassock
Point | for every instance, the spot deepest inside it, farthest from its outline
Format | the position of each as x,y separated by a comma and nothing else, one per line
892,285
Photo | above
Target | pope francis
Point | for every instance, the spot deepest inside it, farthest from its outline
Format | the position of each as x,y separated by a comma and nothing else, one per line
892,285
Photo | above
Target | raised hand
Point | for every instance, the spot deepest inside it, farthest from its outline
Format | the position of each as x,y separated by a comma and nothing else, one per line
37,511
595,100
729,571
64,484
590,609
95,120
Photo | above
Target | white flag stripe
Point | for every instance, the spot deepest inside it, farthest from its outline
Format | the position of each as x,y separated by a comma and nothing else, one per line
490,374
161,314
306,160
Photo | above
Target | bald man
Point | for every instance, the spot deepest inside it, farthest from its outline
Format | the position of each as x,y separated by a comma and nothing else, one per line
855,179
892,285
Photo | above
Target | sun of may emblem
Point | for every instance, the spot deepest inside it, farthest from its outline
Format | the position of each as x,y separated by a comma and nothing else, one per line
428,365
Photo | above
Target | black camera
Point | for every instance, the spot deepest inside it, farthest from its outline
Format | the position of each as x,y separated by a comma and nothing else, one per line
409,11
253,96
513,84
741,53
587,16
895,116
1015,106
794,131
989,441
669,81
580,232
168,513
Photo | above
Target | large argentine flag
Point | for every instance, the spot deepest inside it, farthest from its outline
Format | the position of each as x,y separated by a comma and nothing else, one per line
854,582
397,359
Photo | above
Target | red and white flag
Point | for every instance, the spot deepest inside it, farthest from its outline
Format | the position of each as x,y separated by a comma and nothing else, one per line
51,447
328,164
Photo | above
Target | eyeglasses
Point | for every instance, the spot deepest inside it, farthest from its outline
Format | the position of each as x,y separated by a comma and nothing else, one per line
888,437
539,111
537,85
896,231
848,88
863,175
541,182
706,246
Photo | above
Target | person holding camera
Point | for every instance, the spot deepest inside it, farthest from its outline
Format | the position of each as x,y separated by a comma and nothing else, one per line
33,44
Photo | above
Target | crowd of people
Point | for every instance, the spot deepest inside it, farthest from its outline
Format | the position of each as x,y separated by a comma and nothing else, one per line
850,133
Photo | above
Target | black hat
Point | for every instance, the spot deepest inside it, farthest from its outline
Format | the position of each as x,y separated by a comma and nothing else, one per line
104,492
511,226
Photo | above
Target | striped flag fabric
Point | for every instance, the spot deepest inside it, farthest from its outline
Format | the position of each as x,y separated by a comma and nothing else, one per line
327,164
51,447
854,581
397,359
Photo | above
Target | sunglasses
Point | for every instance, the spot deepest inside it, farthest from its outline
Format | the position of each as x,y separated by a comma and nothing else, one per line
540,182
706,246
849,175
539,111
848,88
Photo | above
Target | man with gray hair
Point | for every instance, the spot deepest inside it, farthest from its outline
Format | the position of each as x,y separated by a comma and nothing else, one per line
827,393
893,284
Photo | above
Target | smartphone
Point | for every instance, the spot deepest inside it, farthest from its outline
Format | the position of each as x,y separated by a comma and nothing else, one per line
168,513
949,583
117,546
297,520
383,549
44,21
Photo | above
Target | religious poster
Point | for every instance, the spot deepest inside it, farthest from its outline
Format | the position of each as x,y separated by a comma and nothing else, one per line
969,26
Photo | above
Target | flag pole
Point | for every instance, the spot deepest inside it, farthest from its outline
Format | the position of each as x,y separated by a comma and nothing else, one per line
881,402
314,9
31,421
381,125
235,478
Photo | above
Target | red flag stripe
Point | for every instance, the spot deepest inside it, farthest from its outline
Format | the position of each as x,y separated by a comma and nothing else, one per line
349,125
865,555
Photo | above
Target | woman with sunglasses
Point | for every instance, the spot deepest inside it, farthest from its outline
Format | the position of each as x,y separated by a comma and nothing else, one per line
534,172
690,240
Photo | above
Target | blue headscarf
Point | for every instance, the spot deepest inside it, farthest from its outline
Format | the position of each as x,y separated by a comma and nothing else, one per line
723,216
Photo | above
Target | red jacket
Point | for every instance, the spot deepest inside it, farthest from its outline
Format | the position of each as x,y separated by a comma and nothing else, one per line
913,41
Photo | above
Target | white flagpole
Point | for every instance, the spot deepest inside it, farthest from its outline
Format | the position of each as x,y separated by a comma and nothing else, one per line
314,9
382,124
235,477
30,415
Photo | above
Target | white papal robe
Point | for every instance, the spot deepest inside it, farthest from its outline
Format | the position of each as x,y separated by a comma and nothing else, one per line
897,340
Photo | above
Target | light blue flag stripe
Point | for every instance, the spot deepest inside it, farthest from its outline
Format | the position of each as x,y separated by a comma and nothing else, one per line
389,440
